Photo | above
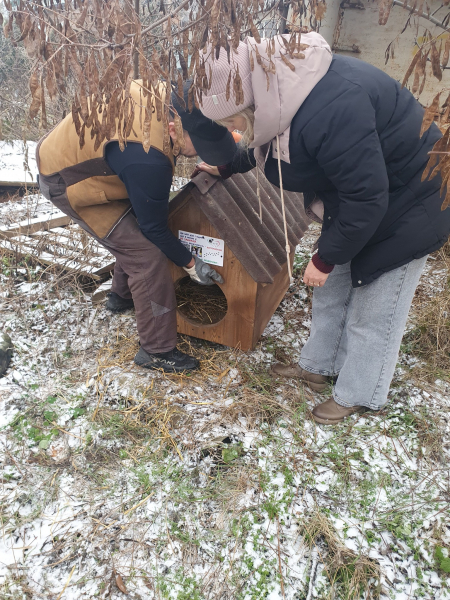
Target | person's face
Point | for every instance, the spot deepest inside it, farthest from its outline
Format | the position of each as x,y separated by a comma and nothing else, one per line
236,123
188,149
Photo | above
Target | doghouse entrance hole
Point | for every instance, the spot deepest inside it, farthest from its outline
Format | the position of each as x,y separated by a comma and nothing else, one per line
203,304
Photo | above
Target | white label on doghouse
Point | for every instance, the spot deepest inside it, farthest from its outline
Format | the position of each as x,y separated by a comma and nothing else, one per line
209,249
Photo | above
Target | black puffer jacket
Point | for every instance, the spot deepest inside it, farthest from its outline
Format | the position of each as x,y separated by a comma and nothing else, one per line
355,144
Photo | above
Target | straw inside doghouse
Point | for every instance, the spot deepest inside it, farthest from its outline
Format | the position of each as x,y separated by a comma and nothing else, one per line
205,304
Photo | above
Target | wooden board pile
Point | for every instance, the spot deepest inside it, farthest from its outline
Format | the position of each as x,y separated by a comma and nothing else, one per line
55,240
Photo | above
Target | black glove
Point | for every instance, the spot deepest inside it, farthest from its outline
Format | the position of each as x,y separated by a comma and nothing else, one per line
203,273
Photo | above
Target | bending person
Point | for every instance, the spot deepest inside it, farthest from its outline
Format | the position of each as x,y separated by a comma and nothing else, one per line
122,200
348,136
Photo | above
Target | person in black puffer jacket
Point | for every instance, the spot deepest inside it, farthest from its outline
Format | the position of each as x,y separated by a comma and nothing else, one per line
348,136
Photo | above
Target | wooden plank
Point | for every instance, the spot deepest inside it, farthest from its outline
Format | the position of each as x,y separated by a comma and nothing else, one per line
23,184
72,241
46,243
21,246
106,268
101,292
32,225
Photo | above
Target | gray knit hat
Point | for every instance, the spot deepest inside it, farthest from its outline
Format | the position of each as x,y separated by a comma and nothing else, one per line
214,104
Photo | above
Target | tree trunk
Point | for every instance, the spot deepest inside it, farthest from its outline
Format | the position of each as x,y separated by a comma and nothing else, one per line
284,10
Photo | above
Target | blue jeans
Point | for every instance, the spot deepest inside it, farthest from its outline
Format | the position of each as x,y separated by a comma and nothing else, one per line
356,332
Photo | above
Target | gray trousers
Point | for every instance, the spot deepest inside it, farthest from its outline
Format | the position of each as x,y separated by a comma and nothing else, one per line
356,332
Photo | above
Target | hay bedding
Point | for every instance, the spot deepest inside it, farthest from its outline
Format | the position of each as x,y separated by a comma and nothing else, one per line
204,304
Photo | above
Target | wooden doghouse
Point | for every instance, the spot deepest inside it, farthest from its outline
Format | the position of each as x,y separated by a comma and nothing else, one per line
219,220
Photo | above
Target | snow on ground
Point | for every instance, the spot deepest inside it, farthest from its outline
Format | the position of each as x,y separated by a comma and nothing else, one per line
212,485
18,162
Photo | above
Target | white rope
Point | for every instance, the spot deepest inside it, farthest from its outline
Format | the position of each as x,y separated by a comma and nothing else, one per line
258,193
283,210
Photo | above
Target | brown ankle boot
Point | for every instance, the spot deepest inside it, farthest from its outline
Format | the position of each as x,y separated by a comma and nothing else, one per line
316,382
330,412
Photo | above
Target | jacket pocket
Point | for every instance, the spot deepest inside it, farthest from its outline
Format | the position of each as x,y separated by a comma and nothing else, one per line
100,198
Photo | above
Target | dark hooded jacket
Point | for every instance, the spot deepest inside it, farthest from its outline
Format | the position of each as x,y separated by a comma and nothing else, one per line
355,144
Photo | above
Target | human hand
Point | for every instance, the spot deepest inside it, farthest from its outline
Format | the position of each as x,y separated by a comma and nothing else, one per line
203,273
207,168
312,276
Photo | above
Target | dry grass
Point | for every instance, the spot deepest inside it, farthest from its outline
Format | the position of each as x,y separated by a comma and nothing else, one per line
352,576
430,339
430,430
205,304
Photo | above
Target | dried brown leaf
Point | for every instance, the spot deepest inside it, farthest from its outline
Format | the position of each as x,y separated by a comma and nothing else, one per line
167,147
321,9
120,584
158,105
445,173
191,102
36,102
411,67
435,62
446,115
228,88
25,29
430,114
440,146
113,111
423,62
237,88
130,120
93,75
446,52
286,61
416,81
50,81
82,136
147,125
183,65
422,85
254,30
82,17
180,91
430,164
33,83
7,29
181,142
92,115
446,202
76,117
119,130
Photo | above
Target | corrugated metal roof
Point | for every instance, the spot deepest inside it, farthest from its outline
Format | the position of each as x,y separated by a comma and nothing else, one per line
232,207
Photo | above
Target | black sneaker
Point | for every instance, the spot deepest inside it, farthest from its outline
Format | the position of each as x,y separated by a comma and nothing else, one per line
173,361
116,304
